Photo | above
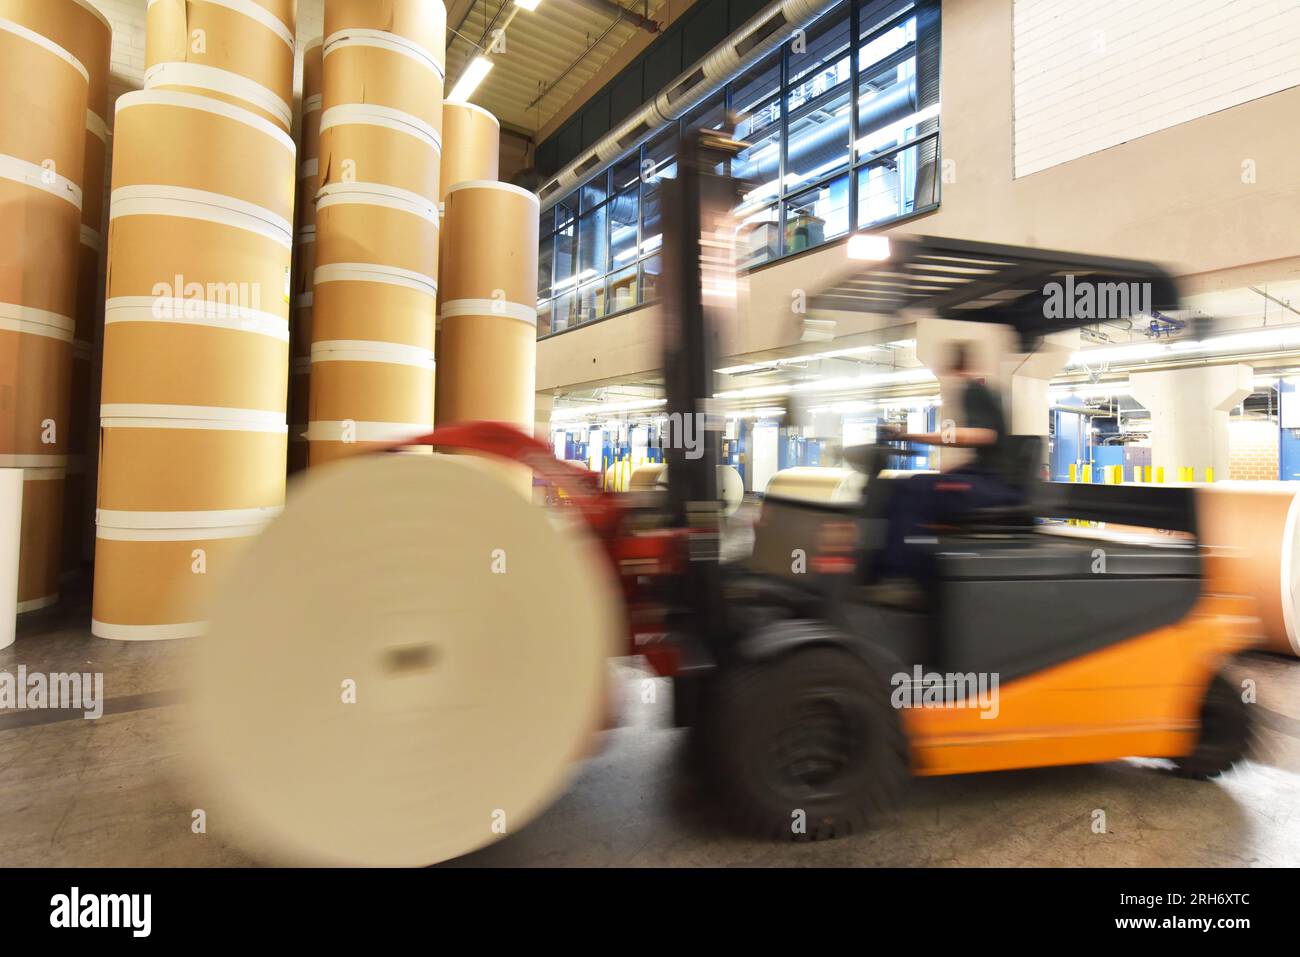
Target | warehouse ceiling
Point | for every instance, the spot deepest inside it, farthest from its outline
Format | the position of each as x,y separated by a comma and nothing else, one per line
549,53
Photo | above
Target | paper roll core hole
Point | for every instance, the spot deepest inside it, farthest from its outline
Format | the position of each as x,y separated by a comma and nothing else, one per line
409,658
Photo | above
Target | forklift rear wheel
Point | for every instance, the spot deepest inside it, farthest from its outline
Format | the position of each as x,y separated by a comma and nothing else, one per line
1225,733
807,746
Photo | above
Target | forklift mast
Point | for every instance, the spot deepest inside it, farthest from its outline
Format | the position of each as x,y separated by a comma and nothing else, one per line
699,291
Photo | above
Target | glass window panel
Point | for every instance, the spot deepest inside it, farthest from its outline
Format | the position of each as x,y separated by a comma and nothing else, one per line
712,113
757,86
898,185
563,315
566,250
876,12
819,142
650,270
622,228
545,265
595,191
591,301
758,238
660,157
544,324
622,289
816,216
759,165
819,58
758,121
593,245
628,172
546,221
888,109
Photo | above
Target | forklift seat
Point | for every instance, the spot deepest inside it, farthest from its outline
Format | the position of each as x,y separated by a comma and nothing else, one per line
1024,463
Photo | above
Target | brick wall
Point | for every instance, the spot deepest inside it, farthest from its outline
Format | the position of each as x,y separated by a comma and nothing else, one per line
1253,449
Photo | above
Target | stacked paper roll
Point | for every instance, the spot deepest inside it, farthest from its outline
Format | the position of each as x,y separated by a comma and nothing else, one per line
196,355
237,51
377,226
472,144
44,92
304,254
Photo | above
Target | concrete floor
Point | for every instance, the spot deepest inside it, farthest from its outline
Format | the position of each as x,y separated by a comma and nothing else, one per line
109,792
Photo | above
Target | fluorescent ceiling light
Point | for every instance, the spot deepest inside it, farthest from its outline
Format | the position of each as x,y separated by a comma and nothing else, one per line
868,247
529,5
478,68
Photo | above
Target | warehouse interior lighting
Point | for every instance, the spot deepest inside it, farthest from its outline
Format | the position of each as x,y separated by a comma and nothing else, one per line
478,68
605,408
1283,337
529,5
868,247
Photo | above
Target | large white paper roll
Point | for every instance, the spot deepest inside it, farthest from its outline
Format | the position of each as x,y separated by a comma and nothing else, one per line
404,667
11,520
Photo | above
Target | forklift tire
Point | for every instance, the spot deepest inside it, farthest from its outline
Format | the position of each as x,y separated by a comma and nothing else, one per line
806,746
1225,734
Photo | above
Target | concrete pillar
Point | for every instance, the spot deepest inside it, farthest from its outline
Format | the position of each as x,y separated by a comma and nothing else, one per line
1189,415
543,403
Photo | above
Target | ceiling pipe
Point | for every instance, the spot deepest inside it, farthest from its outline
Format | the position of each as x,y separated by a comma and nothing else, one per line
755,39
618,10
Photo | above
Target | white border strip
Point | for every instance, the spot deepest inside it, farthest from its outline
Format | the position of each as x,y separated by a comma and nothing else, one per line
309,168
16,318
90,237
187,521
488,308
384,40
195,312
372,272
18,30
29,174
312,103
193,101
196,75
254,12
493,184
97,125
473,107
188,629
199,204
304,300
369,114
356,350
136,415
322,431
1286,576
33,461
36,604
377,194
113,534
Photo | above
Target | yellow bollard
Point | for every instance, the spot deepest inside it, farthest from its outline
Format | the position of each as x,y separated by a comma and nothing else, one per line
1074,471
1160,474
1209,474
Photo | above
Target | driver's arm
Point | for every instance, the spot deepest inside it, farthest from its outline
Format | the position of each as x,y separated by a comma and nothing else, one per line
962,438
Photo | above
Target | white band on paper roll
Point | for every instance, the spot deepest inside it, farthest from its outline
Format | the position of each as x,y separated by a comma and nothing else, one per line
213,78
474,107
193,101
494,184
254,12
38,177
96,125
195,312
383,40
369,114
187,629
304,300
322,431
372,272
137,415
309,169
354,350
312,103
377,194
90,237
46,43
488,307
11,522
18,318
36,604
92,9
186,521
33,462
200,204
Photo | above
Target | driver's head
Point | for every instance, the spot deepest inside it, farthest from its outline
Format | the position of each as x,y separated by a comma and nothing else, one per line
958,359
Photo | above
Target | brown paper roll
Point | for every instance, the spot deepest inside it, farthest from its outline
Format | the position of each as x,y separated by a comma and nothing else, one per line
79,411
41,541
39,248
375,70
362,145
471,139
245,55
148,583
185,361
422,23
77,519
215,260
372,311
165,138
312,76
491,247
488,370
44,99
1252,534
151,465
36,374
94,175
368,391
89,294
368,223
78,27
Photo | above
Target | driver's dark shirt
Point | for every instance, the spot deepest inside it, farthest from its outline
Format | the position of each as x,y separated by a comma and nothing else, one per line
983,410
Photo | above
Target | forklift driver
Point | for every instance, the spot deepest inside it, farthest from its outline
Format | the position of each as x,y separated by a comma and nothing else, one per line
924,500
